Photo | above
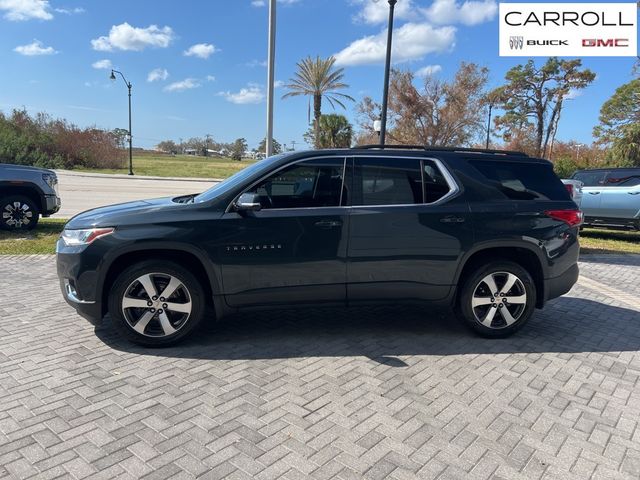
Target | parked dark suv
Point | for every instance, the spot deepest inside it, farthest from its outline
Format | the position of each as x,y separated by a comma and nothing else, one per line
492,233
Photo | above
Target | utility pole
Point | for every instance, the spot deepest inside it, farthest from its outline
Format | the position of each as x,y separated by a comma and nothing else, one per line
181,148
293,145
387,69
206,148
271,75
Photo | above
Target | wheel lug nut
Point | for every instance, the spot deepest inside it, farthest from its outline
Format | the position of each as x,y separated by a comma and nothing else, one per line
153,310
160,311
164,305
149,303
162,299
154,298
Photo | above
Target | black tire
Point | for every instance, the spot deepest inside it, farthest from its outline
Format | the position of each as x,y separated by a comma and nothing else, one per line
154,332
18,212
474,285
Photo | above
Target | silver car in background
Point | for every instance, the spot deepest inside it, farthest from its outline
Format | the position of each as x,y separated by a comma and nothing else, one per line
610,197
574,187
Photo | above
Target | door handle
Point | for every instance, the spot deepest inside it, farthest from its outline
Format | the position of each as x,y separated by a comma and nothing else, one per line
594,193
633,193
452,219
328,224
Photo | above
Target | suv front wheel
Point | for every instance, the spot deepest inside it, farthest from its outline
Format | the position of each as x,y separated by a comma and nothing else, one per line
18,213
156,303
497,299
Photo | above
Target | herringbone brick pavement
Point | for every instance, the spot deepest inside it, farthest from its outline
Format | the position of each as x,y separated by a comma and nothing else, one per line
375,393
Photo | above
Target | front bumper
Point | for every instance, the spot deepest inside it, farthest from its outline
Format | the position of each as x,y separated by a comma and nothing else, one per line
78,282
52,205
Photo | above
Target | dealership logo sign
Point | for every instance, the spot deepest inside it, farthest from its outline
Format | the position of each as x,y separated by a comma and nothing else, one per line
568,29
516,43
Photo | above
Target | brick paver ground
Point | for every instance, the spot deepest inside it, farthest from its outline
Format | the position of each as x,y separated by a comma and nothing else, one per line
374,393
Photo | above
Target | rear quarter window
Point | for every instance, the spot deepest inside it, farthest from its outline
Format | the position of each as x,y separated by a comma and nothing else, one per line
522,180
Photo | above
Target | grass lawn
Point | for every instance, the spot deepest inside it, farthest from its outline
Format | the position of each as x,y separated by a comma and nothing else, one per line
179,166
41,240
609,241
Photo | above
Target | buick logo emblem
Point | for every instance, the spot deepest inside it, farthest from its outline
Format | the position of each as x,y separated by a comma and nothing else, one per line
516,43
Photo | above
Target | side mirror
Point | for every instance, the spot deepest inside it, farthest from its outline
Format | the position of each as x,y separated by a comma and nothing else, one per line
248,202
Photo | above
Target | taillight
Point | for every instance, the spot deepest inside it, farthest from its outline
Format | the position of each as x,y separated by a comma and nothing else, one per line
571,217
569,188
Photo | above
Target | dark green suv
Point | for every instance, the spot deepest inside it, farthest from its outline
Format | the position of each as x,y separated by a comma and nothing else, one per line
493,234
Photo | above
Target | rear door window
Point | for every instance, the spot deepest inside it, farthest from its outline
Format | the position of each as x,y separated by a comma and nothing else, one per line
522,180
591,178
389,181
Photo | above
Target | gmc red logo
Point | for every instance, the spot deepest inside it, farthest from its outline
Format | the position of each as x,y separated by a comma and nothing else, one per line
609,42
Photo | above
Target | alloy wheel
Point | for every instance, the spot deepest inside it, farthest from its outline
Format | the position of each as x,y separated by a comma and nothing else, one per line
17,214
156,305
499,300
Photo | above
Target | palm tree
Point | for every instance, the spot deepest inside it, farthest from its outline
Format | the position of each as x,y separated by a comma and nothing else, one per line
319,79
335,132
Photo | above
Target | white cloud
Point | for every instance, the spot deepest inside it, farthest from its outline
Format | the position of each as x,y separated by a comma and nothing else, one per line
182,85
258,3
126,37
157,74
102,65
256,63
428,71
411,41
471,12
378,12
200,50
21,10
251,94
211,78
278,84
70,11
34,48
573,93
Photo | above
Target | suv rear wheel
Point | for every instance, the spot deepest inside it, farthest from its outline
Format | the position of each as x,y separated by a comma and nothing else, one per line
497,299
156,303
18,213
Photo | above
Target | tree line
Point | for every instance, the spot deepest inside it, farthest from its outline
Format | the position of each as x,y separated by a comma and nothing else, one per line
43,141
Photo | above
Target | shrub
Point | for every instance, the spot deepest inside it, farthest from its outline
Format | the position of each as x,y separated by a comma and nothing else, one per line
54,143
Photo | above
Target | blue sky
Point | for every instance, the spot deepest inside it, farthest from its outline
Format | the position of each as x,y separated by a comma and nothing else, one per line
208,60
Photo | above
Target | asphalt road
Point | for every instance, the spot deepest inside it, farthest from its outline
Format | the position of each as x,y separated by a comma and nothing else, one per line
83,191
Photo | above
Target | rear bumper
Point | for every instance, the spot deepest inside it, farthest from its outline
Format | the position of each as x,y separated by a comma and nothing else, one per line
558,286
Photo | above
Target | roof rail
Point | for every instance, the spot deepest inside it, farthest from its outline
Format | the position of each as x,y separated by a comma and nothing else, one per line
441,149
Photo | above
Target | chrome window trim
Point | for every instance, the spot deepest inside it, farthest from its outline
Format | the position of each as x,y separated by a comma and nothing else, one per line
454,189
300,160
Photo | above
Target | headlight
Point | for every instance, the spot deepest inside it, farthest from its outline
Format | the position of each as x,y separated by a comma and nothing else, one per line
74,238
50,180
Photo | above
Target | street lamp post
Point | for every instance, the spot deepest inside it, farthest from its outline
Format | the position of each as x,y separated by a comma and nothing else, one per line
489,125
387,69
128,84
271,54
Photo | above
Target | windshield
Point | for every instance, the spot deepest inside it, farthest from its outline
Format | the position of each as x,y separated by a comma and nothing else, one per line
236,179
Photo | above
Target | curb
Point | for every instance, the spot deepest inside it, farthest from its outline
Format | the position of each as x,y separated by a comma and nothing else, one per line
119,176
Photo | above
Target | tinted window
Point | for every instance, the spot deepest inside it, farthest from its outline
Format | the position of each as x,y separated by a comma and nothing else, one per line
314,183
522,180
389,181
591,178
435,185
622,178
